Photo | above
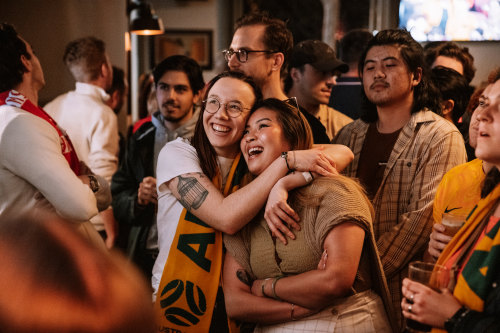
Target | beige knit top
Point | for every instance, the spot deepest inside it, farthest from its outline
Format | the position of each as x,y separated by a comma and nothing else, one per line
332,201
328,202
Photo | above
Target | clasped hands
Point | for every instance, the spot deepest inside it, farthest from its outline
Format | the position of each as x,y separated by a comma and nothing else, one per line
146,193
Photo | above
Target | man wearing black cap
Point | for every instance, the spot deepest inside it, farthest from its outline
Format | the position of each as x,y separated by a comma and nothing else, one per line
311,76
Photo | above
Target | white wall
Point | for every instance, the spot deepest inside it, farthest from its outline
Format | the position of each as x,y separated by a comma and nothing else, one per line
192,15
486,57
49,25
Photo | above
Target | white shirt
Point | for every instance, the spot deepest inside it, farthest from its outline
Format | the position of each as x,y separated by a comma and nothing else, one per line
176,158
92,127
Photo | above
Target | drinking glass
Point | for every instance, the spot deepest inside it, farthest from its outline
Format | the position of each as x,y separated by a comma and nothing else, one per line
432,275
452,223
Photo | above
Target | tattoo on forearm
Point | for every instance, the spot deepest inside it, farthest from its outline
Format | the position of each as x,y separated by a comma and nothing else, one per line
192,193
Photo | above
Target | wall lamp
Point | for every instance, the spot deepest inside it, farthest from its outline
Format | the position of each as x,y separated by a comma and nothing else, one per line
143,20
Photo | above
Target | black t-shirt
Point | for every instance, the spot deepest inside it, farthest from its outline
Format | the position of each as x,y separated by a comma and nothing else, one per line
346,96
377,149
318,130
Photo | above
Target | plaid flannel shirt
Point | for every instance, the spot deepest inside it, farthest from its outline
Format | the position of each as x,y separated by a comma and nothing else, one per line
427,147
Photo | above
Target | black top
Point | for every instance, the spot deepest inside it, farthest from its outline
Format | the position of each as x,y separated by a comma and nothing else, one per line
346,96
318,130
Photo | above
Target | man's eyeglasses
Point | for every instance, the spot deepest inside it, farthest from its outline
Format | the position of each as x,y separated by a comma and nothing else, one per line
242,54
233,109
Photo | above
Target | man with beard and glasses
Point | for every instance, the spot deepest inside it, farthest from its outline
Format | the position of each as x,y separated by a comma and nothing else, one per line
402,149
261,48
179,82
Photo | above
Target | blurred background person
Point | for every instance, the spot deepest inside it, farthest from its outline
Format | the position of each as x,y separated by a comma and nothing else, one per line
147,101
455,93
346,94
179,84
118,93
450,55
311,75
53,280
89,121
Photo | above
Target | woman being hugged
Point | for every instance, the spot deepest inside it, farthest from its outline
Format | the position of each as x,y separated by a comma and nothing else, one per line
192,211
331,272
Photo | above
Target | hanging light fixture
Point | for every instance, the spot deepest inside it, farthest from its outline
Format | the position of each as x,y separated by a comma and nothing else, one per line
143,20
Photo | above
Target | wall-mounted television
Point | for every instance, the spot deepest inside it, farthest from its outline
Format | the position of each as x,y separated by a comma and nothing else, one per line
457,20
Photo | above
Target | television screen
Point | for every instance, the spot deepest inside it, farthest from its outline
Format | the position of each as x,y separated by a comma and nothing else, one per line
458,20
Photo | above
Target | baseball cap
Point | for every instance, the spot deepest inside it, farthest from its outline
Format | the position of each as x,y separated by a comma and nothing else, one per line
317,54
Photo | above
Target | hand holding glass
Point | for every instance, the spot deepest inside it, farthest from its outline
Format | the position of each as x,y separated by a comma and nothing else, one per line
432,275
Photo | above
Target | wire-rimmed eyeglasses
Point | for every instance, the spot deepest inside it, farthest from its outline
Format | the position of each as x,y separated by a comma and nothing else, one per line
242,54
233,109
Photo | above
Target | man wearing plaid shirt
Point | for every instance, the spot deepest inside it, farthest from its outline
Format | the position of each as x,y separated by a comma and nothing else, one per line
401,150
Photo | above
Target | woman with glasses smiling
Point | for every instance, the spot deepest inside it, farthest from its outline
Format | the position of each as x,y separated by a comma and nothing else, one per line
198,198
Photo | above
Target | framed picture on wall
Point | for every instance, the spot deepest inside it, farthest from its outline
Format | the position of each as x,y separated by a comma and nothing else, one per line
196,44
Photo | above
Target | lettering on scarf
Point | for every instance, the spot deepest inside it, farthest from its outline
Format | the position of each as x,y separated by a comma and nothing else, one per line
186,242
15,99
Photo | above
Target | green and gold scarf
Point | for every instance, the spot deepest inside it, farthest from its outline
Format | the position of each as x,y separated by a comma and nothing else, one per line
191,277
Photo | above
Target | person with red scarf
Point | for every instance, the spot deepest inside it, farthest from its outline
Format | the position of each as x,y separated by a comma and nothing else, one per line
39,169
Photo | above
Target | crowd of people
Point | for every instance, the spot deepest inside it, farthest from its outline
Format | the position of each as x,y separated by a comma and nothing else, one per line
289,193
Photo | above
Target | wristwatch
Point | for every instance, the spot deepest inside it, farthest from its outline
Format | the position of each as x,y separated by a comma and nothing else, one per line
94,183
455,320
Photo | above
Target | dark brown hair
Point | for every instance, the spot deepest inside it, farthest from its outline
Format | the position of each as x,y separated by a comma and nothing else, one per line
295,127
12,48
425,94
451,50
277,37
204,149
